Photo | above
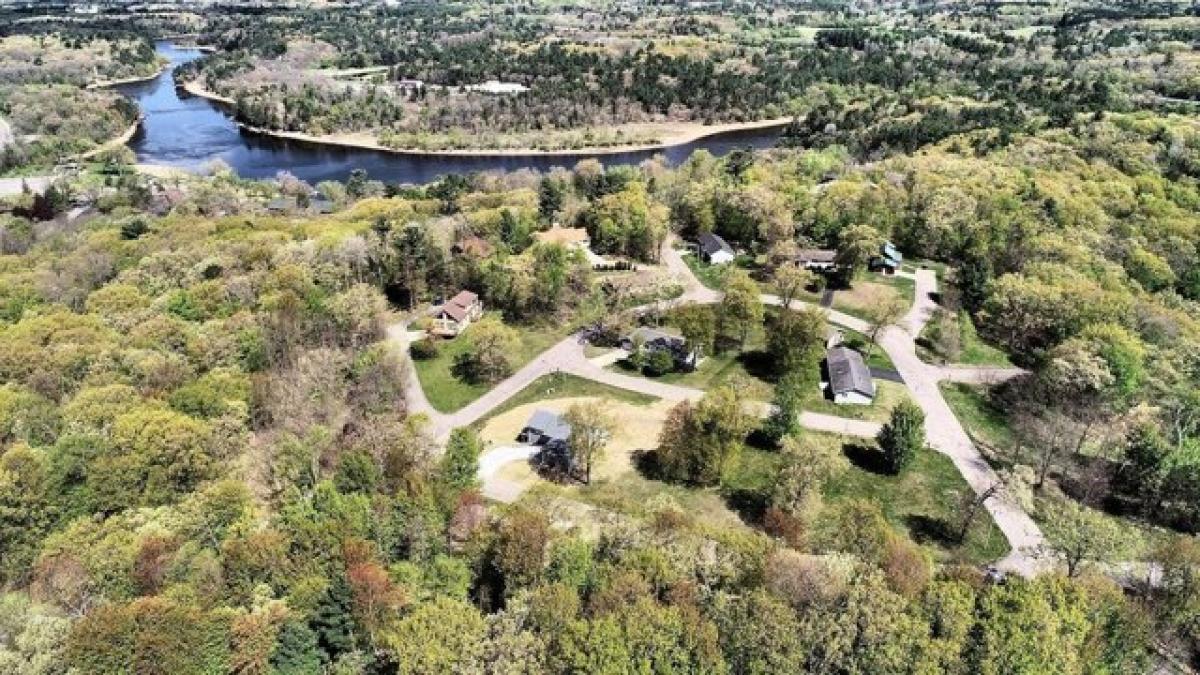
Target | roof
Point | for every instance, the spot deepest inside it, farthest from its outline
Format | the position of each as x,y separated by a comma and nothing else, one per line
816,255
711,244
562,235
890,252
550,424
648,335
464,299
848,372
454,311
281,203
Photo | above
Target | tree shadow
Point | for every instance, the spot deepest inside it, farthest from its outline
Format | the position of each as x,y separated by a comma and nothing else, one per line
750,505
931,530
759,364
867,458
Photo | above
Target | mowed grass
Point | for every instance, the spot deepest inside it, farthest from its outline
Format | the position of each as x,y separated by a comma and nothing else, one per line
983,421
973,350
447,393
872,291
565,385
923,501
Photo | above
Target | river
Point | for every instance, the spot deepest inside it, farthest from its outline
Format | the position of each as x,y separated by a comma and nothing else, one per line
187,132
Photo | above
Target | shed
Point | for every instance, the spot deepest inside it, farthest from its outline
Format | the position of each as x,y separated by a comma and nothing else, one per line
715,250
849,377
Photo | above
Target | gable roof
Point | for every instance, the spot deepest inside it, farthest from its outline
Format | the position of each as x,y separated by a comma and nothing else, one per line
454,311
550,424
815,255
848,372
464,299
654,337
891,253
711,244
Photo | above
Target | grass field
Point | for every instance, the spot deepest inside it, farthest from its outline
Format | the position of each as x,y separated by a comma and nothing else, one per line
448,393
922,501
565,385
981,419
872,291
973,349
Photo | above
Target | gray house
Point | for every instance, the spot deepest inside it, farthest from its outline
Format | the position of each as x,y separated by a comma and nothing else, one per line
849,377
544,428
714,250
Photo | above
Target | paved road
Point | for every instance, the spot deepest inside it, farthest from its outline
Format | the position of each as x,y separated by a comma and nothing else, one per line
946,434
14,186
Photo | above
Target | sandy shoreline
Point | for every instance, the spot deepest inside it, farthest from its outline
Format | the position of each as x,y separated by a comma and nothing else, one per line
695,132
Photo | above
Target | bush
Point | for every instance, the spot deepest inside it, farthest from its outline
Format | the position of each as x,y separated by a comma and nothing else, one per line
658,362
425,349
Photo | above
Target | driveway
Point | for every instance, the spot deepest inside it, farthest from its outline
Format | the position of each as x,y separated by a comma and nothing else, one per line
492,461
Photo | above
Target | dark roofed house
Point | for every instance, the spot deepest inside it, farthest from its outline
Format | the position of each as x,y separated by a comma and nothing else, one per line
714,250
849,377
453,316
544,427
652,339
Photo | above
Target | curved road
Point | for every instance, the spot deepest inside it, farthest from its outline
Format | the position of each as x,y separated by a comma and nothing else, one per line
943,430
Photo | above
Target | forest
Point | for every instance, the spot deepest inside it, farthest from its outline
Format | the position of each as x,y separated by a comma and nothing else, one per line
210,461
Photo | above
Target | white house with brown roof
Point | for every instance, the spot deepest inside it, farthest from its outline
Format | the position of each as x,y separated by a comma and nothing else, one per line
453,316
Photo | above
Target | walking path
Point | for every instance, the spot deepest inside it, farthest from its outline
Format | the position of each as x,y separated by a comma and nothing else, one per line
943,430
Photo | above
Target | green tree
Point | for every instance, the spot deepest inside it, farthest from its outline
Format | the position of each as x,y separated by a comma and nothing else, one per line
459,466
442,636
787,404
741,310
796,341
592,428
856,245
698,325
698,441
487,360
296,651
903,436
1078,535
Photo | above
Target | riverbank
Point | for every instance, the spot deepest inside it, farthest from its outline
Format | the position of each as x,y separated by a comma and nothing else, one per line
671,134
112,143
105,84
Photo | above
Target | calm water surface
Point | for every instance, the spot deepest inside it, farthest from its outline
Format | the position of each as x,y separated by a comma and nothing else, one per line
188,132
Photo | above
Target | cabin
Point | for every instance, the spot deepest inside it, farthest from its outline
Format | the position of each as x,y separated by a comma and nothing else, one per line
889,259
818,259
456,314
569,237
714,250
849,378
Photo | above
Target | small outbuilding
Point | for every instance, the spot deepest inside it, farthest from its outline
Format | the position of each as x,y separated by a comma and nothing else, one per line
821,259
889,259
714,250
849,377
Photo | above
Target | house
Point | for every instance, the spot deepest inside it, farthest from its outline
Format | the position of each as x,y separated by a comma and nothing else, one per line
495,87
570,237
823,259
849,377
653,340
281,205
714,250
889,259
453,316
544,427
472,247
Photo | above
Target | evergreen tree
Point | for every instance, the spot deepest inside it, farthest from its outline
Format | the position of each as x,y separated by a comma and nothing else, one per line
903,436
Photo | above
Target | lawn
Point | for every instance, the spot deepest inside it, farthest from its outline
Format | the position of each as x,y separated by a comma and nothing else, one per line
973,350
872,291
713,276
923,501
855,340
564,385
448,393
887,396
986,424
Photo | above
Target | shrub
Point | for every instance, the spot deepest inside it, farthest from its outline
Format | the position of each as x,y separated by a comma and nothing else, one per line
425,349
